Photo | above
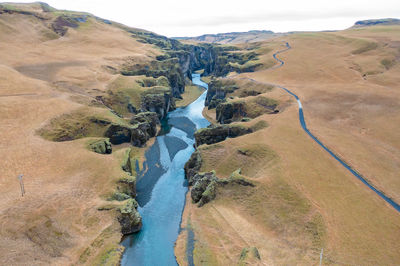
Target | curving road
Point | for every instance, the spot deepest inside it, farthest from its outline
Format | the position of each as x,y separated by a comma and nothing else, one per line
394,204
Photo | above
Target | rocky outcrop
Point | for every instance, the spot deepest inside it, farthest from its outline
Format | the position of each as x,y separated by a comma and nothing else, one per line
228,59
205,185
235,178
204,188
129,217
169,68
144,127
184,59
127,185
192,167
62,23
217,91
141,133
373,22
118,134
119,196
102,146
158,102
227,112
203,57
189,57
214,134
215,102
230,111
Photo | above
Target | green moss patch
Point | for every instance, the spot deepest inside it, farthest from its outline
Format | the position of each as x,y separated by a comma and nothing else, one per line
260,105
388,63
364,46
75,125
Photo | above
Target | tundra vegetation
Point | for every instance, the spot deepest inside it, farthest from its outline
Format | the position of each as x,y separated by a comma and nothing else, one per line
300,200
91,94
82,97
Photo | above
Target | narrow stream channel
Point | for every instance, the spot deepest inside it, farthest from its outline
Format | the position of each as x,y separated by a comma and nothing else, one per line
161,187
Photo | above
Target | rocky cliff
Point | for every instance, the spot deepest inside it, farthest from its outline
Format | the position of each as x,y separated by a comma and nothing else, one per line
143,127
215,134
129,217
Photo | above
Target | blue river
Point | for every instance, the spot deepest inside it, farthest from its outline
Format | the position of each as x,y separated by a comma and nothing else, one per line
161,186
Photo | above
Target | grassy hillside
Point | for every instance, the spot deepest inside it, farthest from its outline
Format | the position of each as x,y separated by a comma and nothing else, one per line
61,90
304,200
68,78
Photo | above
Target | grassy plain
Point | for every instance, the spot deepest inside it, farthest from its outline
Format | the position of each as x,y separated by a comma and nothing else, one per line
304,200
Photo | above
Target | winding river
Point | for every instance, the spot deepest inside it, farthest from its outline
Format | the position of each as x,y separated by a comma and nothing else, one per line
161,186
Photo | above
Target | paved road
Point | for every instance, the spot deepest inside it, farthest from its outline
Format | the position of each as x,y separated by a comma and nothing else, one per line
304,126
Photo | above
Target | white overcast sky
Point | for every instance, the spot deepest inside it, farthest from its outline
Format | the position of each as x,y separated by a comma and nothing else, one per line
193,18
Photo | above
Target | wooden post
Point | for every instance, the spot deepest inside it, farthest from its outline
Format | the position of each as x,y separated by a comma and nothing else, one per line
21,183
320,256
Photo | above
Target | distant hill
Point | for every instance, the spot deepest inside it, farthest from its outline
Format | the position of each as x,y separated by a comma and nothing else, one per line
233,37
373,22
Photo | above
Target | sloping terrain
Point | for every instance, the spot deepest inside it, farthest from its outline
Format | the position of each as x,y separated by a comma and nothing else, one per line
73,86
233,37
303,200
75,91
55,63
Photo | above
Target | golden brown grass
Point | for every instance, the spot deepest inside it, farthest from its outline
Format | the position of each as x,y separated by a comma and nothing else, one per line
45,78
351,103
223,157
190,95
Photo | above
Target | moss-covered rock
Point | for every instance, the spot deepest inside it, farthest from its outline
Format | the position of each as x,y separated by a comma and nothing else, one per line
228,112
127,185
119,196
158,100
217,91
249,256
214,134
61,24
102,146
215,102
146,117
129,217
140,134
236,178
205,185
161,81
118,134
170,69
201,185
209,194
143,127
228,59
192,167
